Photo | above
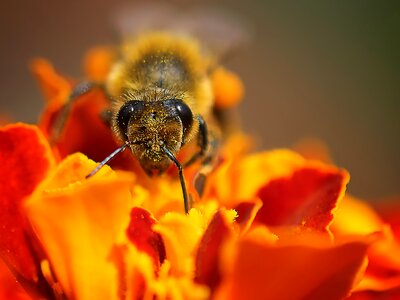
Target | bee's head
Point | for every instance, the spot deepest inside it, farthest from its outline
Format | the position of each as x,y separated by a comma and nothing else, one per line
148,126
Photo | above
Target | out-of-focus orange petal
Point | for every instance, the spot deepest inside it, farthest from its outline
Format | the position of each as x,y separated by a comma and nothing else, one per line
252,172
357,217
383,272
259,268
354,216
141,234
228,88
56,90
208,253
306,198
78,223
25,160
98,62
238,179
55,87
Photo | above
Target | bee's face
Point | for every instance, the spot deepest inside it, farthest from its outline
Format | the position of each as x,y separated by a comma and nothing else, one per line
149,126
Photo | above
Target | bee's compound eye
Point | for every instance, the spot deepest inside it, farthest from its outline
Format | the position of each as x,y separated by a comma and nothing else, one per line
125,113
185,114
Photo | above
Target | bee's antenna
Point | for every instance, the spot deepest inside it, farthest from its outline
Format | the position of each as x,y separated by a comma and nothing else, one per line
107,159
181,178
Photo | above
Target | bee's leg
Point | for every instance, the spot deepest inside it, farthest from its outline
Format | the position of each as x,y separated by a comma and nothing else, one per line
79,90
202,141
181,178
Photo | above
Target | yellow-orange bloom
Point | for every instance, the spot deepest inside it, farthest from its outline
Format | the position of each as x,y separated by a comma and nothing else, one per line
270,225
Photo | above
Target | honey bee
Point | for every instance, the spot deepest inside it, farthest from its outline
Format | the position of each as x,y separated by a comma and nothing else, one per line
160,92
161,100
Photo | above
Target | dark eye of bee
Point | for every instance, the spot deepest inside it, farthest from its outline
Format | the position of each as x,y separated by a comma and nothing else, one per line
184,113
128,110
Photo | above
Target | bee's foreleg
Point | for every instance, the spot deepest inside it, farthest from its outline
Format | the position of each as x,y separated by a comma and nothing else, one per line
78,91
202,141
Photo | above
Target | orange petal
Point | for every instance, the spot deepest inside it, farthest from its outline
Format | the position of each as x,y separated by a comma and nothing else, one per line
354,216
228,88
159,195
55,87
143,284
79,222
256,268
357,217
179,245
25,159
238,179
306,197
98,63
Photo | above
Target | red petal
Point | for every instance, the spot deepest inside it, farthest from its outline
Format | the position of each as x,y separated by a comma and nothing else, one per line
393,294
25,159
140,233
86,132
389,210
9,287
306,198
207,258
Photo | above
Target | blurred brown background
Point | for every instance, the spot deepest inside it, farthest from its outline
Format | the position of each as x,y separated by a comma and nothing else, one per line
325,69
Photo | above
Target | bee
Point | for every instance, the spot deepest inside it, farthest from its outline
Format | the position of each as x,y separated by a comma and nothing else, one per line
160,100
160,92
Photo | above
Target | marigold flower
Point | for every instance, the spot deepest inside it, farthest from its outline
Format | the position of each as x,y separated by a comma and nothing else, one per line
270,225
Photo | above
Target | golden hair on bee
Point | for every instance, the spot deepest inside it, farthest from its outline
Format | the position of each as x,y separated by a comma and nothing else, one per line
141,69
